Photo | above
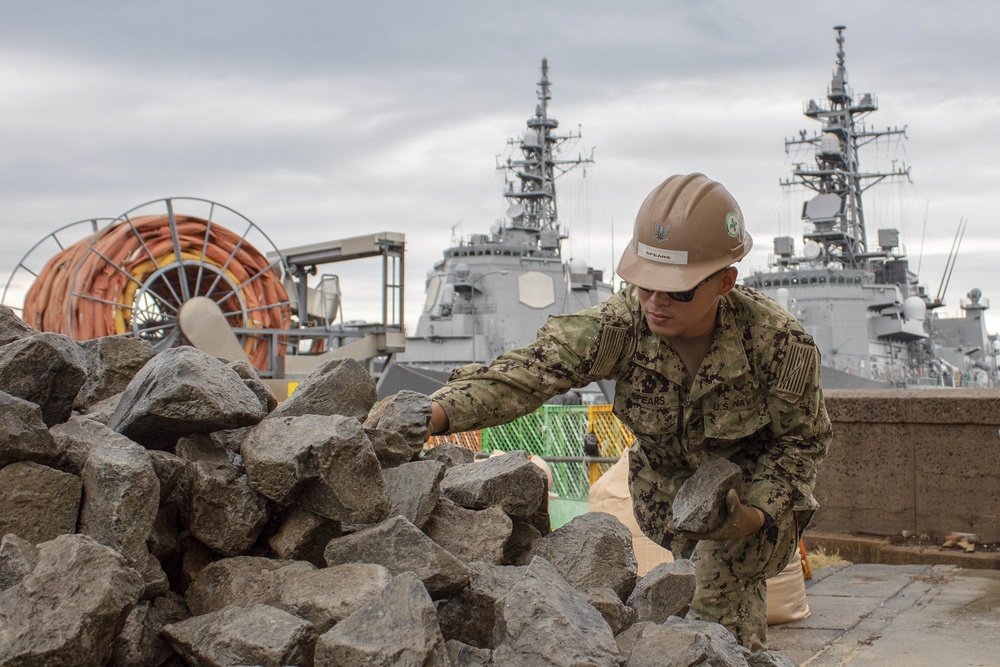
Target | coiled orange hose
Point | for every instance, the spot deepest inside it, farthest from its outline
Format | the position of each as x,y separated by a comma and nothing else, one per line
98,286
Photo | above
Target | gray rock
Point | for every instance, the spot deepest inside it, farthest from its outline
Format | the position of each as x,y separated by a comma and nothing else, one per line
324,463
450,454
169,469
23,434
628,638
221,509
328,595
164,537
594,549
335,387
268,401
139,644
414,489
390,448
110,363
303,536
321,596
407,413
12,327
46,369
583,637
664,591
38,503
18,558
463,655
101,411
470,535
259,635
153,576
470,616
399,546
700,503
398,627
182,391
195,557
618,615
768,659
67,612
510,481
241,581
522,536
681,643
119,484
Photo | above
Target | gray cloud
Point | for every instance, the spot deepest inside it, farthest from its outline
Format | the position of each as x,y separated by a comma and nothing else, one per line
319,120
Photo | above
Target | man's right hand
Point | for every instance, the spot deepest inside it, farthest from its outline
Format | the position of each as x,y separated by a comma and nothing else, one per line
439,419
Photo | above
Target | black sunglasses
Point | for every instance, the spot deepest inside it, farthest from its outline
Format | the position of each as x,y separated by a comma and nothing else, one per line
685,296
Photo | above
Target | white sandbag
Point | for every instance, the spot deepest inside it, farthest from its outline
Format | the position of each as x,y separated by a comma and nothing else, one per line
610,494
786,594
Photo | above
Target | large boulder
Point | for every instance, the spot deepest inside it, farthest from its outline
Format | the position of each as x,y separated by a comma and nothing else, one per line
69,609
182,391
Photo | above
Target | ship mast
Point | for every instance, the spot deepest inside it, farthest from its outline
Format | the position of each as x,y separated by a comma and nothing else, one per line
836,214
533,196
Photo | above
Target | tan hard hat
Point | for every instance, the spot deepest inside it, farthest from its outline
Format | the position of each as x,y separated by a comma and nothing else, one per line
688,228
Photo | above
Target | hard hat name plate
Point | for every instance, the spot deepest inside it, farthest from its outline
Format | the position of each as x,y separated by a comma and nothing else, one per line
663,256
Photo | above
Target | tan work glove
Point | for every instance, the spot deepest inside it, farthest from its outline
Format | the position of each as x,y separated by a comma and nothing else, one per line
743,520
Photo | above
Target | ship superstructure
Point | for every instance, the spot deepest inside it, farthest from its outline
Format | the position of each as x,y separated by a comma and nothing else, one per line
490,292
873,321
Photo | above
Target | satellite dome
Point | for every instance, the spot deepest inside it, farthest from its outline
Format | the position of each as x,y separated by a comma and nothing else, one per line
914,308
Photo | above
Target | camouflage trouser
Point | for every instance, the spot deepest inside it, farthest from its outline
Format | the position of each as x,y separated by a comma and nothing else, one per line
731,577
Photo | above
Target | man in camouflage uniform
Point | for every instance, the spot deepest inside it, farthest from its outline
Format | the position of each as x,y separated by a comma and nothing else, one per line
704,369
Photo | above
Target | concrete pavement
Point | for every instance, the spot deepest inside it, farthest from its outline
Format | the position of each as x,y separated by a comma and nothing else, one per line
872,615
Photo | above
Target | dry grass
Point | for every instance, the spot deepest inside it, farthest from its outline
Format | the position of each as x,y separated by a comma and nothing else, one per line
819,558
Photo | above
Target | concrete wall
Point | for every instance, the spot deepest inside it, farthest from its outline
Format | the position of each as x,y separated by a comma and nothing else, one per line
927,461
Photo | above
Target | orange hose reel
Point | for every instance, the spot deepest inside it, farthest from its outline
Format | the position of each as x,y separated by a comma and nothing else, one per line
133,276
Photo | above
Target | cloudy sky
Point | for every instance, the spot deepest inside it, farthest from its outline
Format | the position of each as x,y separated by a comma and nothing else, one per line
319,120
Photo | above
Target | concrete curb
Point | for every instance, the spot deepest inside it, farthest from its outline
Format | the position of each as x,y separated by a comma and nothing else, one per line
872,549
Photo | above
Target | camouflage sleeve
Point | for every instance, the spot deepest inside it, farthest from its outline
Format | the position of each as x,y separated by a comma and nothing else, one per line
570,351
786,471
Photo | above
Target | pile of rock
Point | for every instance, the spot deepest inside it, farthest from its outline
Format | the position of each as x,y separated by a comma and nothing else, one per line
162,509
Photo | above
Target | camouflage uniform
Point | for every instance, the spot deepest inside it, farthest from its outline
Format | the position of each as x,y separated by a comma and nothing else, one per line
756,401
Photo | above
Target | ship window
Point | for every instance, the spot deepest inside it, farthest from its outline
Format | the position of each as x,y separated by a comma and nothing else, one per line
822,279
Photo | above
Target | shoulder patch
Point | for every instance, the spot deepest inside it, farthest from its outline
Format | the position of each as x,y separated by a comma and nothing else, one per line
797,370
609,350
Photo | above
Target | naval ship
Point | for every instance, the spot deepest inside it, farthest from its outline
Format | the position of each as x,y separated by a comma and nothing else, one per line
875,324
491,291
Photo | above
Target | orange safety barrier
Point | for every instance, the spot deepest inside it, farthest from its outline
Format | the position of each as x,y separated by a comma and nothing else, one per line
468,439
97,286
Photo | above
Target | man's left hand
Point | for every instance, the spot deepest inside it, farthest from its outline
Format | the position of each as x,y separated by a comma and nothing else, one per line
743,520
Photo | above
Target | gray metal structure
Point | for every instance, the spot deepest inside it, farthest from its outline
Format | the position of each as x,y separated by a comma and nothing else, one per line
874,323
491,292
